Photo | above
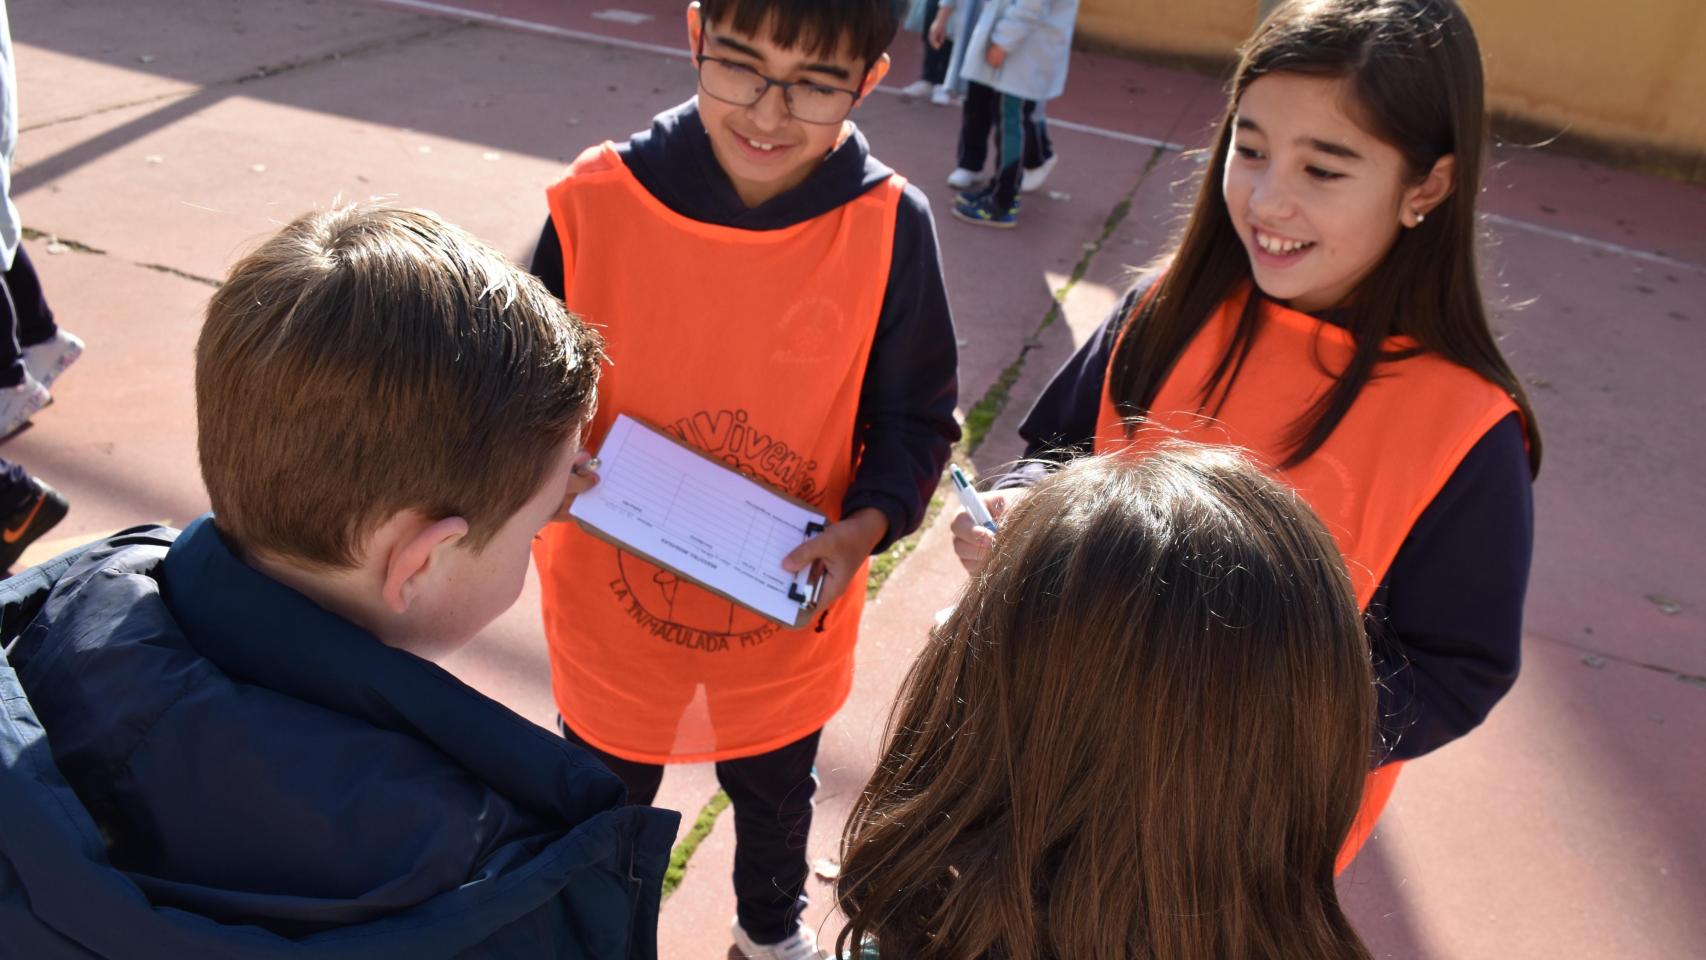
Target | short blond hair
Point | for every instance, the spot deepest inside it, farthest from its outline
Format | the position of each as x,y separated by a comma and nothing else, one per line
368,360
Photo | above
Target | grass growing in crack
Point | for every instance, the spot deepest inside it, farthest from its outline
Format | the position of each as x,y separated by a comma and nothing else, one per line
684,850
884,563
983,414
980,419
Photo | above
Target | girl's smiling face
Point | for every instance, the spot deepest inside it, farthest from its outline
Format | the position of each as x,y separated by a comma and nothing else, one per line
1316,199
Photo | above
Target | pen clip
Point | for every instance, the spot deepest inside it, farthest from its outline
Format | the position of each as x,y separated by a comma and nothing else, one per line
819,574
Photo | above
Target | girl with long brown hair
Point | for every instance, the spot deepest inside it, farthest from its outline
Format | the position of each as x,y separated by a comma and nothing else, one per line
1141,733
1321,308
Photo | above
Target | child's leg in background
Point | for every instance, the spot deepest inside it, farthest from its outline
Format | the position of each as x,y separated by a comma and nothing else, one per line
34,318
1013,131
641,779
25,319
11,351
772,799
977,118
1038,147
935,61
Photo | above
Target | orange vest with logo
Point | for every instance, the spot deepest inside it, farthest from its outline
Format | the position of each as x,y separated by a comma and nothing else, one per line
1405,435
750,346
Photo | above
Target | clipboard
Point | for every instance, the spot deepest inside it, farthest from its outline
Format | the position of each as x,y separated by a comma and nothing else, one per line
678,508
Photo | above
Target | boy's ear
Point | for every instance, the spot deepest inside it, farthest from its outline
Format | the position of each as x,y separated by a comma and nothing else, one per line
695,27
874,76
413,558
1434,188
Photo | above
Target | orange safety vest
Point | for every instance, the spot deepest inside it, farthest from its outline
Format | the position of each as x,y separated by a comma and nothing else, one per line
1409,428
750,346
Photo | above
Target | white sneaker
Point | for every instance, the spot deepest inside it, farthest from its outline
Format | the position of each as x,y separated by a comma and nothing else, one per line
19,403
1032,181
943,97
963,179
801,946
46,360
917,88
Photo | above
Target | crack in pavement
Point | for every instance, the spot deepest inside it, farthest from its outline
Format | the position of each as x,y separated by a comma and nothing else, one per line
986,411
264,72
31,233
1596,657
182,274
983,414
78,246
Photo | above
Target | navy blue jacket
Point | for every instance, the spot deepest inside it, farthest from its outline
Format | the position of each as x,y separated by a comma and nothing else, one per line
906,422
1446,622
197,761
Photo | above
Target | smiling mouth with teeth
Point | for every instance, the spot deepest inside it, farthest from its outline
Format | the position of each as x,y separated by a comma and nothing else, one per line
766,147
1279,246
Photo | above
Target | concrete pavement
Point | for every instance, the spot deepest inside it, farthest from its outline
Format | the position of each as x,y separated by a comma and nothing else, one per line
161,141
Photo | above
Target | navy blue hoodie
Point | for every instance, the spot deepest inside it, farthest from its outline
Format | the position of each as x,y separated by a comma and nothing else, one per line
906,424
1445,623
197,761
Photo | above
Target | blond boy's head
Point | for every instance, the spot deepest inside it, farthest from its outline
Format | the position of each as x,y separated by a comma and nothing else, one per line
370,376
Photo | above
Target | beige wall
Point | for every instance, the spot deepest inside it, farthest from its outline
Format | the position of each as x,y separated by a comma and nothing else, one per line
1629,73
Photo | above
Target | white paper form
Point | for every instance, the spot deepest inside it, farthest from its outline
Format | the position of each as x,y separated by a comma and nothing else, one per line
698,517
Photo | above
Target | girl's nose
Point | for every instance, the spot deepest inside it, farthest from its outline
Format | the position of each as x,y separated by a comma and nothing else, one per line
1269,198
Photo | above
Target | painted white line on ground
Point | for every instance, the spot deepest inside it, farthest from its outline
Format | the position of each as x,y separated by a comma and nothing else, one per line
532,26
1107,134
1605,245
632,18
1076,127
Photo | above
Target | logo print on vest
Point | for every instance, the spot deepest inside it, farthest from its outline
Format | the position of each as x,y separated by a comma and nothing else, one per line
730,436
809,332
682,613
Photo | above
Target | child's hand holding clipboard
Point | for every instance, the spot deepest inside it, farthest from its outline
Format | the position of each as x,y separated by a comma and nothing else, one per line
658,499
837,553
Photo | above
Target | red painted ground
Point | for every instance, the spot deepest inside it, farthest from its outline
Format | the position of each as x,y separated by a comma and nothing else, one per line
177,134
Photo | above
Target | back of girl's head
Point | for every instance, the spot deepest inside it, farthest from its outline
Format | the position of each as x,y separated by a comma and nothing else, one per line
1142,733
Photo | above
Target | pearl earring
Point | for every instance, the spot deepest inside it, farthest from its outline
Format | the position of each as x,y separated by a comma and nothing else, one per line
1419,218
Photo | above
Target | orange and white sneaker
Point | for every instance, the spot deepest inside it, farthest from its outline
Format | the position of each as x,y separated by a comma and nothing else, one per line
26,525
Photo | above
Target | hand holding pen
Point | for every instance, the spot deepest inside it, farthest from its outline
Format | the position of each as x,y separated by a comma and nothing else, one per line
973,527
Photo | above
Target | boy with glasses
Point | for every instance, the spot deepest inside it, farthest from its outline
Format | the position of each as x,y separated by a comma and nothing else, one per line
770,294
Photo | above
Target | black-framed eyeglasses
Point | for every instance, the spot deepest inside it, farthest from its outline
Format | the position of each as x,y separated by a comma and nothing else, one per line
736,83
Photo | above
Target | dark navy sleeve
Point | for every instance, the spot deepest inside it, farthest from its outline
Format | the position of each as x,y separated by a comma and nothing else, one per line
547,263
906,424
1447,621
1062,423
